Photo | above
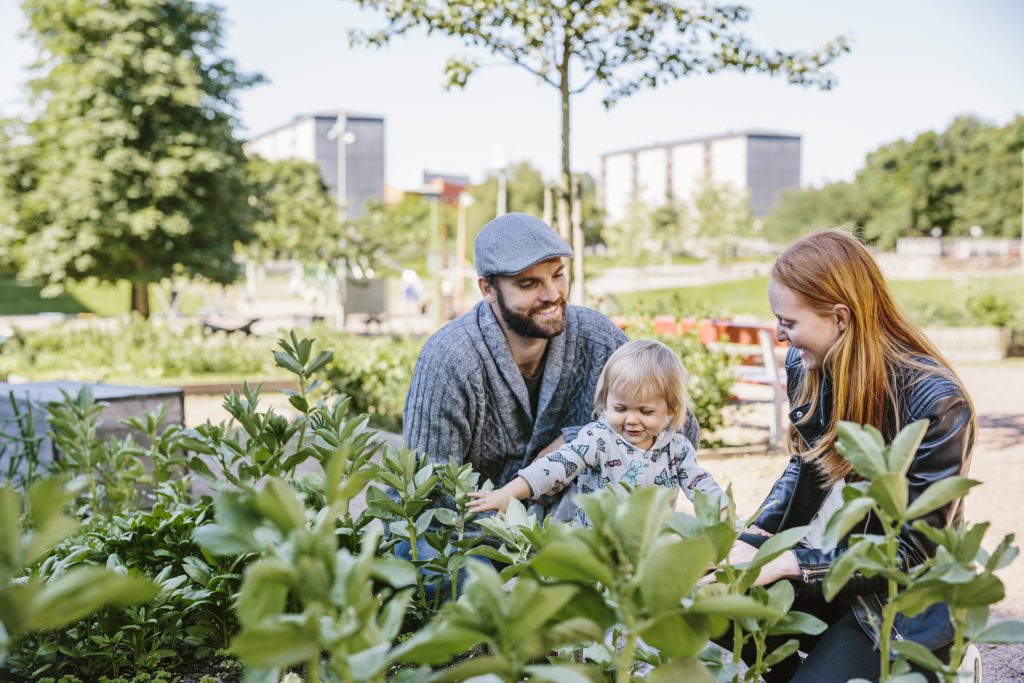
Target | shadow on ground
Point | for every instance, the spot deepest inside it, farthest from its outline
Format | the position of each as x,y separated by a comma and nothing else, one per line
1001,431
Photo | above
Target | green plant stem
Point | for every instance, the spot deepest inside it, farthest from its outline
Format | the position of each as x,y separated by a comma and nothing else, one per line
957,654
313,669
305,414
624,669
889,611
757,669
414,554
737,643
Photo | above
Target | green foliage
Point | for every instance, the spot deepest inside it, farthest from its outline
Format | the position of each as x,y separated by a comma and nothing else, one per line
623,46
721,216
188,620
307,595
292,571
131,169
388,237
756,612
375,372
139,351
969,174
19,445
30,599
960,574
295,215
109,467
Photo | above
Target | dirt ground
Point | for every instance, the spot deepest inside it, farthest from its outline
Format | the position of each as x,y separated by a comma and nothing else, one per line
998,462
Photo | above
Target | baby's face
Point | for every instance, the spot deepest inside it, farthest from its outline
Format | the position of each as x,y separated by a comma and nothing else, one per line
638,418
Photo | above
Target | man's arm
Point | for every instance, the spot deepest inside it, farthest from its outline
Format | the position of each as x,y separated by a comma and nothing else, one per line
439,410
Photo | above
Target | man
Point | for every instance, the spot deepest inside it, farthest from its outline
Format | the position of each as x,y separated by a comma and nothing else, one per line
515,376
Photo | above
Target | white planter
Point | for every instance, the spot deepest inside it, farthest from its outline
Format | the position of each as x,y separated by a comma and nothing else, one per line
971,343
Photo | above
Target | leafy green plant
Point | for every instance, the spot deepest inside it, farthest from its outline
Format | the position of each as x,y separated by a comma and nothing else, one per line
959,575
756,612
375,373
270,444
188,620
110,468
516,627
165,453
19,447
28,602
306,595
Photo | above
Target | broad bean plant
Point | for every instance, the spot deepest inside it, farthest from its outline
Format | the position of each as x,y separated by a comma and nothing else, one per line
324,551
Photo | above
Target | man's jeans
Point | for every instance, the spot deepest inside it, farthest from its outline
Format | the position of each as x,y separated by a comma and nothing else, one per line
427,552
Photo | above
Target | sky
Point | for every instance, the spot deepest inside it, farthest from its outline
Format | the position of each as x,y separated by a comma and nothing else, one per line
914,66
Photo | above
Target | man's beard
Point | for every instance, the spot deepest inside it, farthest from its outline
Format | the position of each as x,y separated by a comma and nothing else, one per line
525,326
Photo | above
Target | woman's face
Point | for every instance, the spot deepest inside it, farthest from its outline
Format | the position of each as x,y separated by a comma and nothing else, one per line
811,332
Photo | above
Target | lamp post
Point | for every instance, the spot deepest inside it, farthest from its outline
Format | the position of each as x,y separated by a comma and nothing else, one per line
344,137
501,163
465,201
437,246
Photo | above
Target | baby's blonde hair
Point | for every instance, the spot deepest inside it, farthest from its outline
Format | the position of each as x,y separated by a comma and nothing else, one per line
645,368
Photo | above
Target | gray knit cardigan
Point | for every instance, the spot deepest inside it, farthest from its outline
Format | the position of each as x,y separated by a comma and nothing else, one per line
468,399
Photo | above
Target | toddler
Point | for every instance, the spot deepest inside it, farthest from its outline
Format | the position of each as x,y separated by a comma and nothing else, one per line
640,405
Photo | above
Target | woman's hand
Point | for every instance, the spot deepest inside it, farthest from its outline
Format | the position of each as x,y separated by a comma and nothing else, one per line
756,530
785,566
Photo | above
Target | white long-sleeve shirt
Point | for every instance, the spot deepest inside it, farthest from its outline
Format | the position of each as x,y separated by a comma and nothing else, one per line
599,457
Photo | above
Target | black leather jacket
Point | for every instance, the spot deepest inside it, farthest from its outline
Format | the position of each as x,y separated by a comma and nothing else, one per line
945,451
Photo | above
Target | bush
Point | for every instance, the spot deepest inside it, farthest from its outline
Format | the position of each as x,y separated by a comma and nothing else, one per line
137,351
374,372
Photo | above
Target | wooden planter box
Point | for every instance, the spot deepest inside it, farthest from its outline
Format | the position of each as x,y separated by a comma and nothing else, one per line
971,343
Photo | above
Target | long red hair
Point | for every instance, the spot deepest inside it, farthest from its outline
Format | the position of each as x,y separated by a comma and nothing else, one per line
832,267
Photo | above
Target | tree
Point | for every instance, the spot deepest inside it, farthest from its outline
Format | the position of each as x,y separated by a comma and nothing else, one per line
295,215
721,216
625,46
525,187
970,174
129,168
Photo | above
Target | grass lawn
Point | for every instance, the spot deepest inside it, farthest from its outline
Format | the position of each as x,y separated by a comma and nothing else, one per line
90,296
750,297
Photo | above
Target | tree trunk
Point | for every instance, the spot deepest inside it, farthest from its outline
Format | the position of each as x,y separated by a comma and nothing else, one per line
565,183
140,299
565,193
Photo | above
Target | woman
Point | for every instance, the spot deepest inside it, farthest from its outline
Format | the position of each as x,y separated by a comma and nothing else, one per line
855,357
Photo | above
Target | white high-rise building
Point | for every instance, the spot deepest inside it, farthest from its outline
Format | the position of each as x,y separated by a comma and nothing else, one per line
762,163
348,148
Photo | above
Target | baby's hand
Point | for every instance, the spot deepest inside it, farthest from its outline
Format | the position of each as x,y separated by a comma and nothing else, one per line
488,500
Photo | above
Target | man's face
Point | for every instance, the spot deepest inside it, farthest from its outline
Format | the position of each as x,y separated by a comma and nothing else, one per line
532,303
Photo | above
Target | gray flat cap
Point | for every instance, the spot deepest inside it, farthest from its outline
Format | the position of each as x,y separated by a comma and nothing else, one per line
510,244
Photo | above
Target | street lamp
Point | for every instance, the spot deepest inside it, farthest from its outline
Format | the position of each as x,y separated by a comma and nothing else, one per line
465,201
501,163
344,137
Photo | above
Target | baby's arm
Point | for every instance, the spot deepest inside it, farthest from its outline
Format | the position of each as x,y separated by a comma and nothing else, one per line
498,498
693,477
541,476
555,470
